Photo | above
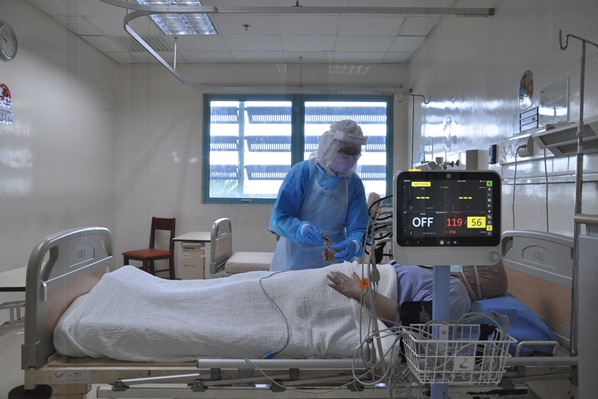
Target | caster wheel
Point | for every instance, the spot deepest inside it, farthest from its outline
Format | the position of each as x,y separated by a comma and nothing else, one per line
39,392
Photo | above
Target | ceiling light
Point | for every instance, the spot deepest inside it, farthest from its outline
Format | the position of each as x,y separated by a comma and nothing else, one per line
181,24
345,69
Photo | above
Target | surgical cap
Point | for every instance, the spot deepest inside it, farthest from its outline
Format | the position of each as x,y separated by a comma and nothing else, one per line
343,135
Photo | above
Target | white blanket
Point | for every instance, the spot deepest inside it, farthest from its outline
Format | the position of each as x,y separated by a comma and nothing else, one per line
133,316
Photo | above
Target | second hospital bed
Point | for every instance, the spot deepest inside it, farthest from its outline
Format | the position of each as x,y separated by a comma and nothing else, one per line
67,265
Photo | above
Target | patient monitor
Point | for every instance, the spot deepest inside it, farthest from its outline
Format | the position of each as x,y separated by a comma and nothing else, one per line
446,217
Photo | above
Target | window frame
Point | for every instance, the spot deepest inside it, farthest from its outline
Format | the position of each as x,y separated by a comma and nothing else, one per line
297,134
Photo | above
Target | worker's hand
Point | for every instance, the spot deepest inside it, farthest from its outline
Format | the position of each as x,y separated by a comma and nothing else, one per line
309,234
328,255
348,286
345,250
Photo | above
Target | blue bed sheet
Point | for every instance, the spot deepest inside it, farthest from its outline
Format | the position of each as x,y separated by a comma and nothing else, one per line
524,324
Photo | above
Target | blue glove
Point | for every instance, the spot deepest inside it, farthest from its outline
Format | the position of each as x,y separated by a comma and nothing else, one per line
309,234
346,250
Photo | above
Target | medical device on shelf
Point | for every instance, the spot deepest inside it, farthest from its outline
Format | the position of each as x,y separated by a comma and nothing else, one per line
446,217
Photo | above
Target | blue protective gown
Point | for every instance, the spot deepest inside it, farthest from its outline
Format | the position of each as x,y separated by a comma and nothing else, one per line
336,205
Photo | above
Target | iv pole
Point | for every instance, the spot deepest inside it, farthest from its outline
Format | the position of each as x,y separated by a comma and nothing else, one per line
578,188
399,98
441,276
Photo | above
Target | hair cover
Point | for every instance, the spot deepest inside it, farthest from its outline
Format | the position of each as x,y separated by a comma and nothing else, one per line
343,135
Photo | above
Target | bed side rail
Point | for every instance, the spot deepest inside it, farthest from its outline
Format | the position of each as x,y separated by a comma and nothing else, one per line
61,267
221,244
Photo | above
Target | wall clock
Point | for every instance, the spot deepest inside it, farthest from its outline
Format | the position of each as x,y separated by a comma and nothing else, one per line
8,42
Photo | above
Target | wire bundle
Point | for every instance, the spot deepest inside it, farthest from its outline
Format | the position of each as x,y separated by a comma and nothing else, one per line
379,230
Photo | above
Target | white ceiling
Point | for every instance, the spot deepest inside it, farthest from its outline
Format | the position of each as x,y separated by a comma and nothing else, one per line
337,34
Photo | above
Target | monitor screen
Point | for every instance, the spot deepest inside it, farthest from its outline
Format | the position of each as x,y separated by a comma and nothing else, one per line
447,217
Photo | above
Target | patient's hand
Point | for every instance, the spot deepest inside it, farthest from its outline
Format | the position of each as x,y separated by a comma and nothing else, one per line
348,286
355,287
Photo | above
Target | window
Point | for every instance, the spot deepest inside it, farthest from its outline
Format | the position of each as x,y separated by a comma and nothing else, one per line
251,142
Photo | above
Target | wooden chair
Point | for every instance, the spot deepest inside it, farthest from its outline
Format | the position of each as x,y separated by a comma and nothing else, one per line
147,256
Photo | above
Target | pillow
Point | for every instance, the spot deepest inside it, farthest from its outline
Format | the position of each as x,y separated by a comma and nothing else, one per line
524,325
484,282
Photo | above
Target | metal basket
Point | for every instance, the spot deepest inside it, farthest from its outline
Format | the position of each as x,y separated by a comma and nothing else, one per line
456,354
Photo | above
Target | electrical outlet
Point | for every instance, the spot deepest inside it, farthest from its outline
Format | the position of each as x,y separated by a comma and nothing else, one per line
527,149
514,148
493,154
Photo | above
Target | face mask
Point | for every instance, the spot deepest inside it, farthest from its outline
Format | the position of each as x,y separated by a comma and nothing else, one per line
341,164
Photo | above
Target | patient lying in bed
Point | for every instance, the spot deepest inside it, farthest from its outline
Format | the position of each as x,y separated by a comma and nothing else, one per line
415,284
133,316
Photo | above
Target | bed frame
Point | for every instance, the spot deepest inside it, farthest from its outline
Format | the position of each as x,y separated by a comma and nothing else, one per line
68,264
543,261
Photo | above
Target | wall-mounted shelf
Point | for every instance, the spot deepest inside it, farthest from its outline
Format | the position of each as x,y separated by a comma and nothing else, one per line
561,140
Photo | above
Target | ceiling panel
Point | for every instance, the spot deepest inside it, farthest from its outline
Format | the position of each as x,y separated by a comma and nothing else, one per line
306,25
79,26
418,26
333,34
377,25
253,24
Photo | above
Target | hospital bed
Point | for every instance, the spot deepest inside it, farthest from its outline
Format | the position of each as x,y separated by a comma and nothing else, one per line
67,265
13,281
64,267
223,261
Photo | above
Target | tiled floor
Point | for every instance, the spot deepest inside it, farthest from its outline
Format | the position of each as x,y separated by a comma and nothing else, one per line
11,374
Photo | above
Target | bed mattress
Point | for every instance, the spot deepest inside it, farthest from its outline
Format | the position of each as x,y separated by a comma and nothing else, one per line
242,262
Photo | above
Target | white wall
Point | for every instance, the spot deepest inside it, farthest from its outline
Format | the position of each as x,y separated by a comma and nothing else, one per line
106,144
56,160
97,143
470,69
159,147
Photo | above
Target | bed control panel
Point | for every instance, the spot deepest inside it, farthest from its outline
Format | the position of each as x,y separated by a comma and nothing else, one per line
446,217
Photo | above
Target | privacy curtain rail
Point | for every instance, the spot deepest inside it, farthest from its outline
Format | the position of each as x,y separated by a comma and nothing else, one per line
141,10
297,9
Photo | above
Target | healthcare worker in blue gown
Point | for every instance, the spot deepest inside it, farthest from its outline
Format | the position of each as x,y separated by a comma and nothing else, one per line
322,197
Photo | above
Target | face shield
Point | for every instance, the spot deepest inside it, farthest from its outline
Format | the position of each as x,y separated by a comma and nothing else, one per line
340,148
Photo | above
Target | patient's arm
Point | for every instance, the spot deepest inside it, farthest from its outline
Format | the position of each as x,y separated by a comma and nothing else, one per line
386,308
